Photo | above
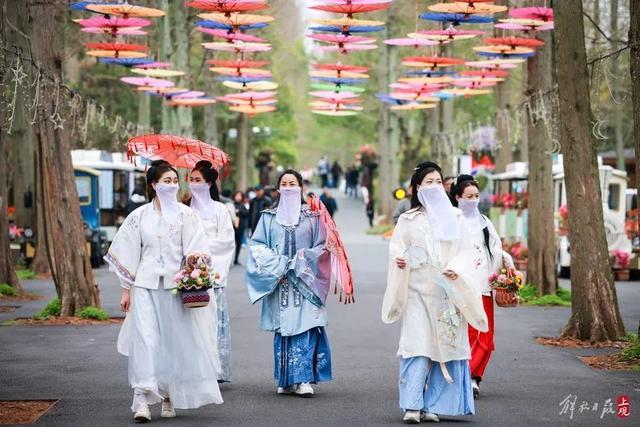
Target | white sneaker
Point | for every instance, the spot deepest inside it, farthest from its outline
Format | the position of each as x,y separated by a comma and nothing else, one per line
143,414
167,410
411,417
476,388
428,416
304,390
286,390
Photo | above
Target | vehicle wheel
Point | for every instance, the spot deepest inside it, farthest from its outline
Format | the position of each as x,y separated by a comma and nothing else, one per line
565,272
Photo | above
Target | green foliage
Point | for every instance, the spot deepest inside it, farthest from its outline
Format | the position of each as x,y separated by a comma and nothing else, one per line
380,229
7,290
529,295
25,274
93,313
53,308
632,351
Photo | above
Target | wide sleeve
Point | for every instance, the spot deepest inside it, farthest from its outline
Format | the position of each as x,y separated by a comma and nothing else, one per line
395,296
265,267
222,246
311,268
125,251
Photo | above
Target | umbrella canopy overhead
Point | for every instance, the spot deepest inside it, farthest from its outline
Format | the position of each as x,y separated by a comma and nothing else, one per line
335,112
125,10
341,38
514,42
346,22
412,106
187,94
115,53
484,73
332,95
338,74
237,47
431,61
258,85
190,102
525,28
229,6
411,42
348,30
147,82
113,22
503,50
126,62
450,34
337,88
115,31
231,36
157,72
456,18
341,67
236,19
237,63
351,8
467,8
252,109
544,14
221,26
179,151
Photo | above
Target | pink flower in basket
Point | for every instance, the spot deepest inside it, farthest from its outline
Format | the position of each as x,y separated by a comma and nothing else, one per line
195,274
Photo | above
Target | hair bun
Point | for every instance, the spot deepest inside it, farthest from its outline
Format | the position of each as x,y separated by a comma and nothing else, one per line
160,162
204,164
425,165
462,178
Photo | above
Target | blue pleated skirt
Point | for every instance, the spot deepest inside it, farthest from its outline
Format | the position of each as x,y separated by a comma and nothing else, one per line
302,358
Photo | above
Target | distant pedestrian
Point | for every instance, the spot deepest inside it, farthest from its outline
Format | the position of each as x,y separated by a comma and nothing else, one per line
259,203
329,202
403,206
336,174
324,168
242,223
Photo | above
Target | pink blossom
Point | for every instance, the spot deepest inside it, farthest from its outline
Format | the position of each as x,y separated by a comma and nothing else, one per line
195,274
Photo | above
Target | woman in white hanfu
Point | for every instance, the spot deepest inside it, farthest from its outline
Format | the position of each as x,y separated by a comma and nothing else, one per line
172,349
431,286
216,218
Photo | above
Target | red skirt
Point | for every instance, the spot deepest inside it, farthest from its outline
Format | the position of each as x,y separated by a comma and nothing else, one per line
481,343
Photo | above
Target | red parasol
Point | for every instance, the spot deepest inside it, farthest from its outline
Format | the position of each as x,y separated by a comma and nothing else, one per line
340,267
179,151
341,38
514,42
114,22
538,13
230,35
351,8
341,67
125,10
229,6
237,64
120,47
432,61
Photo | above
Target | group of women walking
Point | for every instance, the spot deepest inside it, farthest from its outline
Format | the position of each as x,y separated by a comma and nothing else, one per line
440,261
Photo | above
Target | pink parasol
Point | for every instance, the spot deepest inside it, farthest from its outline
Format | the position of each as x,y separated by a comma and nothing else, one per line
411,42
515,41
473,84
115,31
417,87
484,73
179,151
237,47
350,8
252,95
346,48
237,64
230,35
450,33
188,94
114,22
538,13
547,26
340,267
331,94
153,65
341,67
147,81
341,38
229,6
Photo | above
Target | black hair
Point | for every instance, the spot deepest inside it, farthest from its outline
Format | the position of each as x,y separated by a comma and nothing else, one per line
154,173
457,189
298,178
210,176
420,171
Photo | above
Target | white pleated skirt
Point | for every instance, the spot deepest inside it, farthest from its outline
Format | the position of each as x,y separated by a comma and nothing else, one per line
172,350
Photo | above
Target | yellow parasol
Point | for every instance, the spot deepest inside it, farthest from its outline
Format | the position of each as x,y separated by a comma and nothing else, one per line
248,109
258,85
190,102
412,106
125,10
157,72
339,74
465,8
116,54
503,49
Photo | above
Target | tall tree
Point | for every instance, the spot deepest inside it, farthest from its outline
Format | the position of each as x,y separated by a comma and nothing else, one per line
63,230
502,103
617,113
634,43
541,269
242,152
594,310
184,118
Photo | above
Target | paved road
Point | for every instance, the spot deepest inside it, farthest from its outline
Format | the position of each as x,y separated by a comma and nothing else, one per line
524,385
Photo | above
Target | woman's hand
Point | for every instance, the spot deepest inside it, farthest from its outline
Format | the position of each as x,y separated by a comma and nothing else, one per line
125,301
401,262
450,274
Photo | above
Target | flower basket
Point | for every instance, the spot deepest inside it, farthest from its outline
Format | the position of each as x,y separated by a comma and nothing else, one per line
507,297
194,280
521,264
507,283
622,275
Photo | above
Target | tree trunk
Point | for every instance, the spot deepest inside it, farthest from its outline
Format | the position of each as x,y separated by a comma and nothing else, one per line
184,118
615,90
210,116
166,49
63,226
541,268
242,152
594,311
634,42
504,153
385,205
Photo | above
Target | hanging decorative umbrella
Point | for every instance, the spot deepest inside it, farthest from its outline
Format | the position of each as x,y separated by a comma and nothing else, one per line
228,7
259,85
429,73
115,31
412,106
503,50
467,8
484,73
179,151
147,82
252,109
157,72
188,94
456,18
125,10
521,56
515,42
116,50
338,74
236,19
341,38
432,62
115,53
251,95
335,113
162,91
347,48
247,102
525,28
243,79
220,26
418,88
411,42
544,14
336,100
448,34
155,64
350,8
227,71
126,62
475,81
114,22
337,88
341,67
525,22
81,6
231,36
331,95
417,97
495,63
190,102
467,92
237,64
425,80
339,81
346,22
237,47
348,30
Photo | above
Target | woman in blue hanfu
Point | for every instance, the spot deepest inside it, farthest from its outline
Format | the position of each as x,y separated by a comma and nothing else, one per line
431,286
290,269
221,238
172,349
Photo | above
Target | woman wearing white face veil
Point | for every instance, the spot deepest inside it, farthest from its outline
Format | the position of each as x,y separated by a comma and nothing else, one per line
289,270
172,352
221,239
431,288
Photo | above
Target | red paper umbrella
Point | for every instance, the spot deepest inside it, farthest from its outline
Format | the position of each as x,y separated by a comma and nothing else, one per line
514,42
231,35
179,151
114,22
341,67
416,87
351,8
450,34
538,13
432,61
237,64
341,39
252,95
473,84
484,73
119,47
229,6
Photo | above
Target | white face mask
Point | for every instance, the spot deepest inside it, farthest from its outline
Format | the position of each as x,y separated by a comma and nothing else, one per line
288,212
169,205
440,211
201,200
471,214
